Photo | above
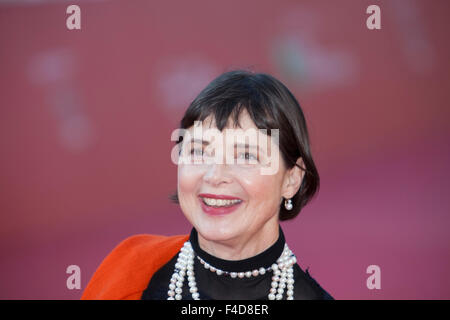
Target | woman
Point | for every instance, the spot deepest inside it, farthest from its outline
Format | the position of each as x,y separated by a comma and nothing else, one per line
234,192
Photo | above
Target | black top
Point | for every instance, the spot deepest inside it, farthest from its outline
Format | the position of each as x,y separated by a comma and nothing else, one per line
214,287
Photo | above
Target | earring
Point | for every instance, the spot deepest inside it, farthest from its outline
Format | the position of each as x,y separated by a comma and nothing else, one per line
288,204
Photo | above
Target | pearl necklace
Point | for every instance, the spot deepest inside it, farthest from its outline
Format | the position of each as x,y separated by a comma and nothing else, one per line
283,274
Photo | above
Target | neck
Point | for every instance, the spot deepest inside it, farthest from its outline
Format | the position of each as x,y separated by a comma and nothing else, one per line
242,247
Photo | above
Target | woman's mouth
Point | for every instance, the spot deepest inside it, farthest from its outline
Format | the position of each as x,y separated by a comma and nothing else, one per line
220,202
218,205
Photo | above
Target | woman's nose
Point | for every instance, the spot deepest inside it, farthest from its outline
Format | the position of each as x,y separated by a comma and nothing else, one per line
216,174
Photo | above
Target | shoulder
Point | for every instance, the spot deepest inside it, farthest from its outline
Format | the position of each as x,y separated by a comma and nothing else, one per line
125,272
307,287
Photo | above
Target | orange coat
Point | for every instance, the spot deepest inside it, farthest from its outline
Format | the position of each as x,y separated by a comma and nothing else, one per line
125,273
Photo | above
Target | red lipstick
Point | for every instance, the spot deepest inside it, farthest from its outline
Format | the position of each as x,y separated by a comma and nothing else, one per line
218,196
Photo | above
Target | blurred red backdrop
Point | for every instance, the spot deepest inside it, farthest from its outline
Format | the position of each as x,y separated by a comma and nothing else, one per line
86,117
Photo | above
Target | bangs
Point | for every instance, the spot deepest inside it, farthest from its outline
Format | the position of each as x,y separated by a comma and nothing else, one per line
228,105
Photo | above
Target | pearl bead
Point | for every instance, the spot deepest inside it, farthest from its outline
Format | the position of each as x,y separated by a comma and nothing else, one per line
262,271
255,273
233,274
248,274
241,274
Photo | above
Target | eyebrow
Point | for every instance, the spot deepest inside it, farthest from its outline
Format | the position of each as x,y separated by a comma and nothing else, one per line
236,145
203,142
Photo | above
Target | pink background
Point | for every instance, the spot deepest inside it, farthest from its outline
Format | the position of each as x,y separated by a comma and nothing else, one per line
86,118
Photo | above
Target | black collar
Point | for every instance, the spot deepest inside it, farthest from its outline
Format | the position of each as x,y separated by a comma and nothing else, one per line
264,259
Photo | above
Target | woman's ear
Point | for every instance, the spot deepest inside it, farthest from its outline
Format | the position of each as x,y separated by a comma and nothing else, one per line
293,179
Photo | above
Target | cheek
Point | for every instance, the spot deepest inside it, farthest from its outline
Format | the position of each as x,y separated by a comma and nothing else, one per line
188,179
189,182
261,188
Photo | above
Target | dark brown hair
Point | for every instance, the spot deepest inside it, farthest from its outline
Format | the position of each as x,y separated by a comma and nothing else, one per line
271,106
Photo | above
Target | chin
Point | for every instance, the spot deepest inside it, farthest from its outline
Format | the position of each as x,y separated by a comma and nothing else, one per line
216,233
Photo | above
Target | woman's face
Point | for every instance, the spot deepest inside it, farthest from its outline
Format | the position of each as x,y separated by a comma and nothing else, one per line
260,195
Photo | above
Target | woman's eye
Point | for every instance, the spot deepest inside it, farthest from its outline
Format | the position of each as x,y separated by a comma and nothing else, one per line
247,156
197,152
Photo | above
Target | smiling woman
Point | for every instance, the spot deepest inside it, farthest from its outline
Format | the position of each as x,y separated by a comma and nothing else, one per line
236,248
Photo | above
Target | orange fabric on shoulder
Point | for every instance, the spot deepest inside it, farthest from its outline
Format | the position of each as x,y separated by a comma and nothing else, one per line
125,273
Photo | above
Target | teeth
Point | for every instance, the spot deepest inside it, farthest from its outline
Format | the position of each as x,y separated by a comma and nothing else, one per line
220,202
